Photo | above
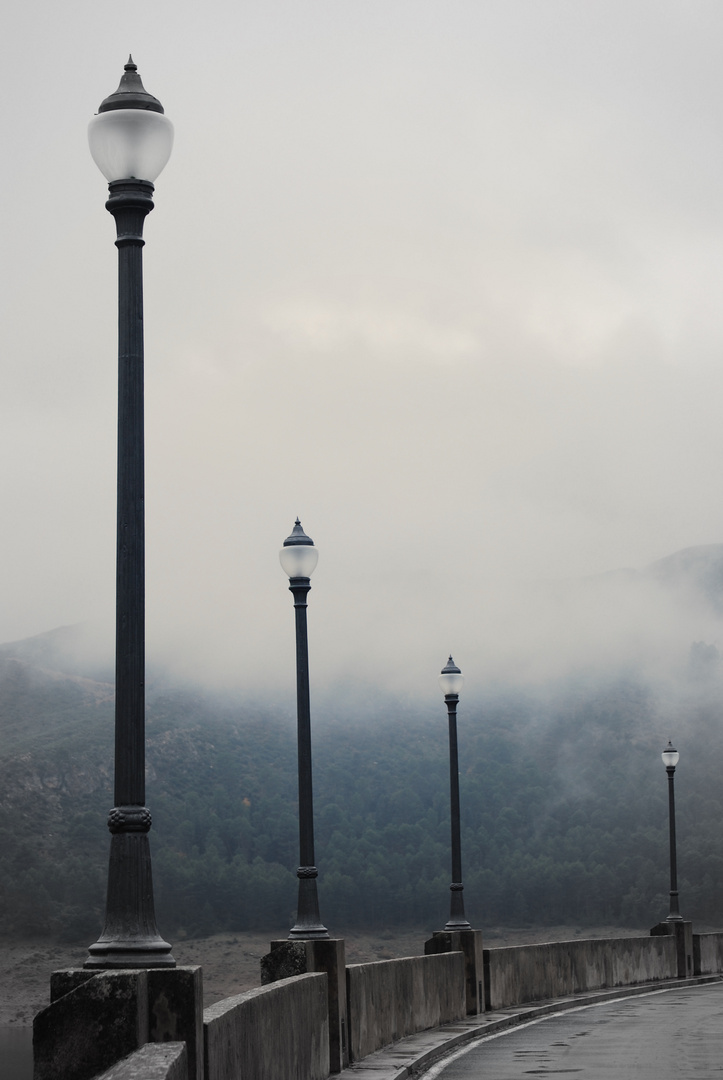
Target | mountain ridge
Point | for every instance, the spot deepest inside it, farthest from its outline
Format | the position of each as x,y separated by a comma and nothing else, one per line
83,651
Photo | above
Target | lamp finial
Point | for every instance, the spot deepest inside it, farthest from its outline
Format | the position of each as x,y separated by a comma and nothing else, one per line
131,93
298,536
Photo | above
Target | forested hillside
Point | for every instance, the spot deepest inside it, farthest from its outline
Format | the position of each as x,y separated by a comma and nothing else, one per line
564,805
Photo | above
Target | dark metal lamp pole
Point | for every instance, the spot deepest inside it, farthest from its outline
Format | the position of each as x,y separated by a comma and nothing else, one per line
451,680
130,141
670,759
298,559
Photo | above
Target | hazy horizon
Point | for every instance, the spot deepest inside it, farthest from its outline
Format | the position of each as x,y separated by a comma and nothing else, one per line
626,623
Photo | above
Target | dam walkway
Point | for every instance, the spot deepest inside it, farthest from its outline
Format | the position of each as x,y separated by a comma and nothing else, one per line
668,1030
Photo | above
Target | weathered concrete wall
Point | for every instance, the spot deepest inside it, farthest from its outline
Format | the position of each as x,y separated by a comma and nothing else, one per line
278,1032
83,1032
96,1018
175,1012
393,998
537,972
154,1061
470,944
289,958
708,953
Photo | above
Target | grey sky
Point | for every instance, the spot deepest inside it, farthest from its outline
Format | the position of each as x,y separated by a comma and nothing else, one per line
443,278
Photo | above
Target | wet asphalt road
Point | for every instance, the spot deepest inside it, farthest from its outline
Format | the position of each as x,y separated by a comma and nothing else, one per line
669,1035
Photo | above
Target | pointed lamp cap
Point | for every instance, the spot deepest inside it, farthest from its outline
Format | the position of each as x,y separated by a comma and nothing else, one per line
298,536
451,679
298,556
131,94
670,756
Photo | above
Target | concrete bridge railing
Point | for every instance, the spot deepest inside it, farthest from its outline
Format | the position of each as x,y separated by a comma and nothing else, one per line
282,1031
521,974
279,1030
391,999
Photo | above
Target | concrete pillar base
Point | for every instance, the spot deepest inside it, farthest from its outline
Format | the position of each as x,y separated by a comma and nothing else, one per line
682,931
468,942
288,957
96,1018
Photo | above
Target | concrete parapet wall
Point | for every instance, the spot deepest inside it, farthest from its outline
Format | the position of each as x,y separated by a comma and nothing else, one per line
97,1018
708,953
154,1061
102,1019
527,973
390,999
289,958
469,943
278,1032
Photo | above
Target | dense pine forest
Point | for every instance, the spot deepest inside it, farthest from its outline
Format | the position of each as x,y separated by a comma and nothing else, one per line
564,805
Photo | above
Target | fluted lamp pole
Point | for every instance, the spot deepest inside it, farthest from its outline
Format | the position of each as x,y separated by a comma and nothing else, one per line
130,141
451,680
670,759
298,559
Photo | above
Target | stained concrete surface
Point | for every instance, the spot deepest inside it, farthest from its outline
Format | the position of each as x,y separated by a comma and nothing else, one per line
670,1035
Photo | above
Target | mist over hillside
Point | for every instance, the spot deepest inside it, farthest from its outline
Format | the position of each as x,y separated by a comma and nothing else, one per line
522,633
564,797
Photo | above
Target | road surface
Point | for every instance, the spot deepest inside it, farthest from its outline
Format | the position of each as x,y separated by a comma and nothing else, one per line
669,1035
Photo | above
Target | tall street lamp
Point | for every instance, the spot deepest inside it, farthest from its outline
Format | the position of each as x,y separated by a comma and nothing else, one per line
451,680
298,559
130,141
670,759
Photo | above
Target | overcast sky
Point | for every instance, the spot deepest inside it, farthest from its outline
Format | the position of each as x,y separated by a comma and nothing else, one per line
442,278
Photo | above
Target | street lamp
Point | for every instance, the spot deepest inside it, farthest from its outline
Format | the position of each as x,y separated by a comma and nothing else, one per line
670,759
298,559
451,680
130,141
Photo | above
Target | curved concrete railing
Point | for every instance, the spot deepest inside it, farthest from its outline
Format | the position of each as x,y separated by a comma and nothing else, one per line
281,1031
525,973
390,999
708,953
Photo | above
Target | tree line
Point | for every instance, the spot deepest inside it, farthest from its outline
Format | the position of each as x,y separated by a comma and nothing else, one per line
563,796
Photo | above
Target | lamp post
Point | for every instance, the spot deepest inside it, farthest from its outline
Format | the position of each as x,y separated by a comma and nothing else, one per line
451,680
130,141
670,759
298,559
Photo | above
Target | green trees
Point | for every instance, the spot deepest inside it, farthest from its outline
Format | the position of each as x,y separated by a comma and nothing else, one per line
563,795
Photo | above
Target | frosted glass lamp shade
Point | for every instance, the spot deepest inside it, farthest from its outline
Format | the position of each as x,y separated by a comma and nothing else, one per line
130,143
299,561
298,556
670,756
451,678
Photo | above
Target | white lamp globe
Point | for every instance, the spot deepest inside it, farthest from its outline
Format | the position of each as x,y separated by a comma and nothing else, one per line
298,556
451,678
670,756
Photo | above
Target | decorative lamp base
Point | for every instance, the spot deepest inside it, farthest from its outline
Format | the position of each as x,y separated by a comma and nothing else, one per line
130,938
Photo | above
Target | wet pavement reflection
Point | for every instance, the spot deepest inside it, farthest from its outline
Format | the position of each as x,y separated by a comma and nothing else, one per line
669,1035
